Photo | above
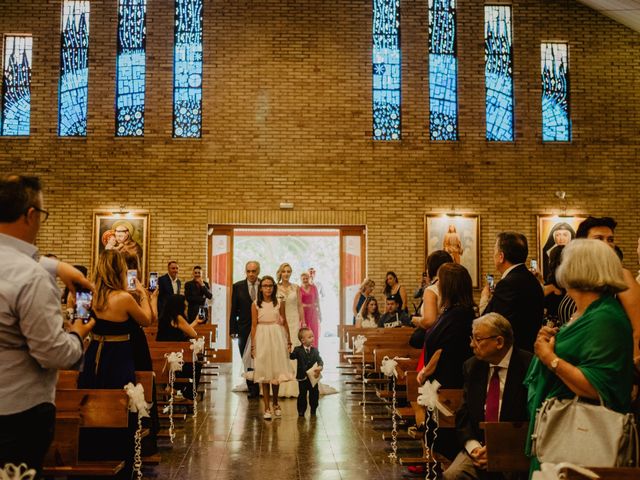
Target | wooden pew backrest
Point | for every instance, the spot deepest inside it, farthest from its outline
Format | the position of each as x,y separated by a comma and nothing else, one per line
505,443
98,408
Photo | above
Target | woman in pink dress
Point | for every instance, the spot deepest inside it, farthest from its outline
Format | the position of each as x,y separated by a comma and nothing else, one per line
311,306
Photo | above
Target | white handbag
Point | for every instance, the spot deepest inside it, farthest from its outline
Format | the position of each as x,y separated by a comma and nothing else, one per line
573,431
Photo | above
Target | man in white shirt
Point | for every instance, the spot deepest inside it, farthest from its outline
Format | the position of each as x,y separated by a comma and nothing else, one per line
33,344
168,284
493,392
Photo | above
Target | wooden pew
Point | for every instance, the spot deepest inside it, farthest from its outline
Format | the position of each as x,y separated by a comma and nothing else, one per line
77,408
505,443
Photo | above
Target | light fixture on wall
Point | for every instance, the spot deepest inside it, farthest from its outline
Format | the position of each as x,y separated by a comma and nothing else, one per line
562,196
286,205
123,212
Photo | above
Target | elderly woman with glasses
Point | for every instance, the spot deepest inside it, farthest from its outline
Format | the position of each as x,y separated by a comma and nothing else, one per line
592,355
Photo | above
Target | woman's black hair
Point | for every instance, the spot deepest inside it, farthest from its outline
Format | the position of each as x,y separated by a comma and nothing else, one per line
387,287
174,306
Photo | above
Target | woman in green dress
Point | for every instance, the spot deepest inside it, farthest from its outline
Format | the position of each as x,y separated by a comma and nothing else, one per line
592,355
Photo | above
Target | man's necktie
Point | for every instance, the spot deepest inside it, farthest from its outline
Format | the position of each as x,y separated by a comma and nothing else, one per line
252,291
491,412
308,350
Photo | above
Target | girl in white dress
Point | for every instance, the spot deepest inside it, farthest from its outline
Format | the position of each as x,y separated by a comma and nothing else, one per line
289,293
270,345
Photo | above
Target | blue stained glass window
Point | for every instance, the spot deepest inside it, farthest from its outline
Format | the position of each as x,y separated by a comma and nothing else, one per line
187,69
556,124
131,68
386,69
74,69
498,55
15,115
443,70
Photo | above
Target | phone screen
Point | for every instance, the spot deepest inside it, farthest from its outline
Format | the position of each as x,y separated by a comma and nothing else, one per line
534,265
153,281
131,279
83,305
490,281
202,313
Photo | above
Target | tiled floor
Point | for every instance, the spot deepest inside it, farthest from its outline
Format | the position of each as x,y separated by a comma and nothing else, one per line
230,440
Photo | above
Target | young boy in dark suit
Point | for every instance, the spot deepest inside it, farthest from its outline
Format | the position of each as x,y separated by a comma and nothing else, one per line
306,356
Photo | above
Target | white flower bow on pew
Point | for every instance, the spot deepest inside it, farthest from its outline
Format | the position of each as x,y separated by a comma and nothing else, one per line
197,345
388,367
175,362
358,343
429,398
21,472
137,404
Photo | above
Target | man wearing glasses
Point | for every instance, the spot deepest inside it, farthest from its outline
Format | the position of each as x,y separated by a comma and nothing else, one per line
493,392
33,345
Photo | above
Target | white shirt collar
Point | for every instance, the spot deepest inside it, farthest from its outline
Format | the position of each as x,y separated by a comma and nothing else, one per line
508,270
504,363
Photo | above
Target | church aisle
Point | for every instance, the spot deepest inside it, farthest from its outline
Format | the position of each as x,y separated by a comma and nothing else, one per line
230,440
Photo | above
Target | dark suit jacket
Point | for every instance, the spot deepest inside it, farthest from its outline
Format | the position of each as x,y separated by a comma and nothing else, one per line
240,318
519,298
305,360
451,333
196,296
165,290
514,397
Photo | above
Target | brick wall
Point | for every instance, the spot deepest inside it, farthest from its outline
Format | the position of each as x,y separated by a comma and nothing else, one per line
287,116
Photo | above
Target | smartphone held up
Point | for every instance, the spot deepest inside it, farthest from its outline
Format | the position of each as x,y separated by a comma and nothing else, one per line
153,281
84,298
132,275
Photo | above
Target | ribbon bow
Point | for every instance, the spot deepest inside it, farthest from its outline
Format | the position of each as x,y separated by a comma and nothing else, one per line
388,367
358,343
197,345
175,361
21,472
136,399
429,398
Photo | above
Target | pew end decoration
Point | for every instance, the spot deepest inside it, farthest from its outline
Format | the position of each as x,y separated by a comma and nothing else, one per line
174,361
21,472
428,398
139,405
197,348
388,368
358,347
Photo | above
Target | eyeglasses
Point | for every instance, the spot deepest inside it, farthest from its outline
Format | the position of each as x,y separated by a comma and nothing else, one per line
43,213
477,340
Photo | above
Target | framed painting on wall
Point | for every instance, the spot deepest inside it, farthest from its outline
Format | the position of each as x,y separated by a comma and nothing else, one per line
457,234
553,231
128,233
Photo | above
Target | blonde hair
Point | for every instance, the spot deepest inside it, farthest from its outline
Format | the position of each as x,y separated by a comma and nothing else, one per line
280,269
367,282
590,266
110,275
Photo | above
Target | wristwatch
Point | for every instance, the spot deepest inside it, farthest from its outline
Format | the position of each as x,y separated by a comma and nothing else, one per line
554,364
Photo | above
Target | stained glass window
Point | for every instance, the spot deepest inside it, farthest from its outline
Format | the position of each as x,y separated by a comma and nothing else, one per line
556,124
187,69
386,69
443,70
498,55
15,115
131,68
74,69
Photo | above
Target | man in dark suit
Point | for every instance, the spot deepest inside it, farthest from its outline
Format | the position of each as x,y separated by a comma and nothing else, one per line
493,392
518,295
168,284
242,296
306,356
196,291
